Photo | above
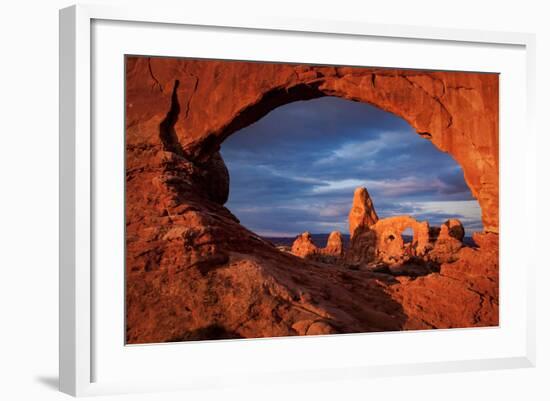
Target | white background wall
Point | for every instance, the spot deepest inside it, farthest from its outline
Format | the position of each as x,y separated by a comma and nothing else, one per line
29,214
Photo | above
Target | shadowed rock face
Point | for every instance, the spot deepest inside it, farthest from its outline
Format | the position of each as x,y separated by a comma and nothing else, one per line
452,228
193,272
448,242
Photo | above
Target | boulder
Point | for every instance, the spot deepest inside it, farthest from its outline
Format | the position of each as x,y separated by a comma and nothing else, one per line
448,242
303,246
453,228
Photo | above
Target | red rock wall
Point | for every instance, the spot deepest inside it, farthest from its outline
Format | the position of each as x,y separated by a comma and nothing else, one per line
201,102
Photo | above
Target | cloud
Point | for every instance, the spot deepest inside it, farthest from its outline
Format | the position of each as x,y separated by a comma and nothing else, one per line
335,211
404,186
296,169
338,186
410,185
437,212
364,149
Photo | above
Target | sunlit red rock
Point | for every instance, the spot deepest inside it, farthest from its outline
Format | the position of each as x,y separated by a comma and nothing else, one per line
448,242
193,272
389,240
335,244
362,213
303,246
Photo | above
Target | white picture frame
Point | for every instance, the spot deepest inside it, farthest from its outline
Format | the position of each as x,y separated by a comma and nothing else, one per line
77,366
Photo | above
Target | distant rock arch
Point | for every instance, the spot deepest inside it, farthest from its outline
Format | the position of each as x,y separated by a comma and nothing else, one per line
389,241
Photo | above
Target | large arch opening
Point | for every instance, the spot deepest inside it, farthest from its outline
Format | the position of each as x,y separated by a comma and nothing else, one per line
295,170
457,112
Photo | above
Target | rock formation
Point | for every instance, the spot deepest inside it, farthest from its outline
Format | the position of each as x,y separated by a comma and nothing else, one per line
362,213
193,272
381,241
468,290
452,228
362,247
448,242
303,246
389,241
335,244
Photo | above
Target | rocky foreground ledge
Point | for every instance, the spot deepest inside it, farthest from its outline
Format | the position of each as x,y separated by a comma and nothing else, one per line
193,272
439,281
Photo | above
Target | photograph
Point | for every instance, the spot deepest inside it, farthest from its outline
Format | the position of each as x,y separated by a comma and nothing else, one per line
269,199
289,200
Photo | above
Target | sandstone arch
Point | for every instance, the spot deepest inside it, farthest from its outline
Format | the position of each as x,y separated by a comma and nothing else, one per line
457,112
389,242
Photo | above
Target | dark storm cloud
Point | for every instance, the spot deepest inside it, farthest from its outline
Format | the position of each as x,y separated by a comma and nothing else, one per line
296,169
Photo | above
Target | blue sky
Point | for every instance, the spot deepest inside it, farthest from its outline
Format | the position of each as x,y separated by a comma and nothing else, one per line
296,169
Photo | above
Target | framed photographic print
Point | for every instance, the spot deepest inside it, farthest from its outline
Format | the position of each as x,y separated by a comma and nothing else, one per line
271,199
